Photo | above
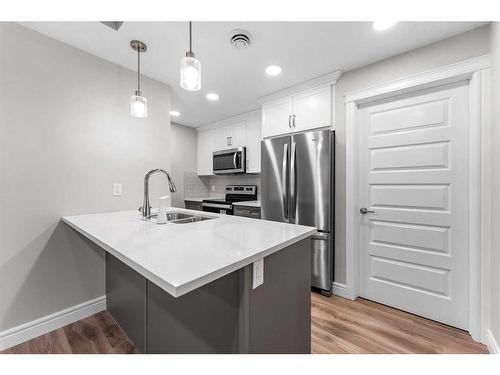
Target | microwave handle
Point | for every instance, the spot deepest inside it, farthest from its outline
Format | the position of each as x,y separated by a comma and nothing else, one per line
235,157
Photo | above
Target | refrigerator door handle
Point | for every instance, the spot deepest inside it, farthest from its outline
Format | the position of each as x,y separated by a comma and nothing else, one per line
284,181
293,182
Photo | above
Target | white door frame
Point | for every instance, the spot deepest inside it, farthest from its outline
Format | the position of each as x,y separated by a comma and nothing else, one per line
477,72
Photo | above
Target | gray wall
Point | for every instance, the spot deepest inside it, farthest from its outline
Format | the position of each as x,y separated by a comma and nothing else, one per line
183,153
470,44
495,189
65,137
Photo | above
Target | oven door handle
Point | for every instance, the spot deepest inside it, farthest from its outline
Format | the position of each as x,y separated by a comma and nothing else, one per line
215,205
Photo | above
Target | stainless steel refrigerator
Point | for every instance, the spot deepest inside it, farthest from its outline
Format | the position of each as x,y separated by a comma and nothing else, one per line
298,188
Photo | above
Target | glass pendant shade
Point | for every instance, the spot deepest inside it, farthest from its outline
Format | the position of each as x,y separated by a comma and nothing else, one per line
190,73
139,106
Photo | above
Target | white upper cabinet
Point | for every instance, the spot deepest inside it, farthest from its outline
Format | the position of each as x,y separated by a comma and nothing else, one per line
312,109
239,131
205,148
221,138
238,134
254,138
231,136
276,117
309,105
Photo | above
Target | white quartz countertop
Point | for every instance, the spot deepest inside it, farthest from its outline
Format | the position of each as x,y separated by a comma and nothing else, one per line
182,257
247,204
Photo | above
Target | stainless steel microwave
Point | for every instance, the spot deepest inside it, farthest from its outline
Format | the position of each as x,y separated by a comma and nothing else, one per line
230,161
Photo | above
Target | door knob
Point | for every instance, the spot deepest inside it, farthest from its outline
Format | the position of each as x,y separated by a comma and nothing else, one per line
365,211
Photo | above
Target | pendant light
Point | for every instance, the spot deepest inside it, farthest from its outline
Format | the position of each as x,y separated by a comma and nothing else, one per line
190,68
138,103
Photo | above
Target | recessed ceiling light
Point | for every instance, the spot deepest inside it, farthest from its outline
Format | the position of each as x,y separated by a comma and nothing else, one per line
175,113
273,70
212,96
383,25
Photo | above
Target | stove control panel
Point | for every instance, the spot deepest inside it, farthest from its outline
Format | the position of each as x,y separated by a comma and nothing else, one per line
241,189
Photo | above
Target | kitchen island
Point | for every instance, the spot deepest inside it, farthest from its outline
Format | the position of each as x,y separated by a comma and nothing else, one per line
189,288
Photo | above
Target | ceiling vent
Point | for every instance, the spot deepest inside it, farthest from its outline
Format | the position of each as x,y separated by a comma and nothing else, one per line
115,25
240,39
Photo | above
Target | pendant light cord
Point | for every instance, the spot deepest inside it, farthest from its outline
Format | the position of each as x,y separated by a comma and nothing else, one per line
190,38
139,70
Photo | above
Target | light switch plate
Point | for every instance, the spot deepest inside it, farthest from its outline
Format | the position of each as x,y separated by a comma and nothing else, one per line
258,273
117,189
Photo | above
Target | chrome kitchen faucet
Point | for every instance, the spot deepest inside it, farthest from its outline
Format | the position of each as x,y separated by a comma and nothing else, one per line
146,207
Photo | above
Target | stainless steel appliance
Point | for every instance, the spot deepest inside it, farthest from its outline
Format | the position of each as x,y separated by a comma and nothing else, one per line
232,161
234,193
298,188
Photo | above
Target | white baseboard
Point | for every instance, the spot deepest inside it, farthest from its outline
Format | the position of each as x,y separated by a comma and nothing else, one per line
41,326
492,343
340,290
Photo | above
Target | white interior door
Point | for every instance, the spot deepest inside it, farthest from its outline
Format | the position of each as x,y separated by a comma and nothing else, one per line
414,173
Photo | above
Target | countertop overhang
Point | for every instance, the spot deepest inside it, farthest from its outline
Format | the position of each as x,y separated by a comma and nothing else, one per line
180,258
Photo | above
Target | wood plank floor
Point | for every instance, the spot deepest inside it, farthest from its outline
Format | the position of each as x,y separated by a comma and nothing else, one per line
338,326
343,326
97,334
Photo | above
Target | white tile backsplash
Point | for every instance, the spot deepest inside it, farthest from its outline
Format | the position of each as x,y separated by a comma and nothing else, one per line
196,186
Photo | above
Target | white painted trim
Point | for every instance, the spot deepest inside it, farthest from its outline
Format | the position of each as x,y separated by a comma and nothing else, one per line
486,175
351,202
229,120
327,79
340,290
41,326
476,71
475,216
431,78
492,343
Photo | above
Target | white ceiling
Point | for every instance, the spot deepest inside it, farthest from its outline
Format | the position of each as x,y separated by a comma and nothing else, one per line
303,49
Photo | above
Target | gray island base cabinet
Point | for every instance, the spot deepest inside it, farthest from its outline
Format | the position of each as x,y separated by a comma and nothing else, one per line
224,316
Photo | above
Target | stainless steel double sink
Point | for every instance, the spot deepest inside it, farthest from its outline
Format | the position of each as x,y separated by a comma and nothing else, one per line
184,218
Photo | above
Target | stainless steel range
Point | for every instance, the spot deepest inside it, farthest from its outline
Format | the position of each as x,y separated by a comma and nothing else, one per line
234,193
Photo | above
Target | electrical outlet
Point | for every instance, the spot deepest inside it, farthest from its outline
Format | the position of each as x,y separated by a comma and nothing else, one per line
258,273
117,189
213,187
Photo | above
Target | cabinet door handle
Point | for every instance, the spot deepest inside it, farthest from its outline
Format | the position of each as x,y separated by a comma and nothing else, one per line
293,121
289,121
